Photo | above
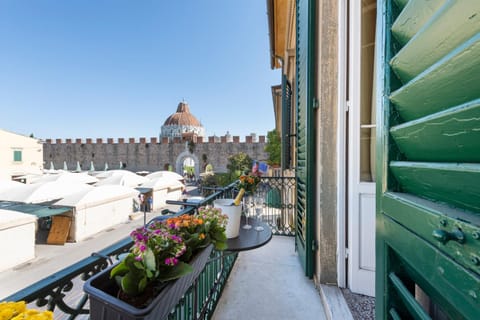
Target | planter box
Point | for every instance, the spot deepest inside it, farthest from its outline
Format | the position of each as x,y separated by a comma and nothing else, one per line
104,305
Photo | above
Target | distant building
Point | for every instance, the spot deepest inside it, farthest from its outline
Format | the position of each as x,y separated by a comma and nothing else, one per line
19,155
182,124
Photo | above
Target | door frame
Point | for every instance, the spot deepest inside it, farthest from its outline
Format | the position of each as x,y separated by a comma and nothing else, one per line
342,151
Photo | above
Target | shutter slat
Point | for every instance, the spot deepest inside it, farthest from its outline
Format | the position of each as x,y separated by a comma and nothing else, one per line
401,3
451,135
413,17
437,38
453,183
452,81
423,217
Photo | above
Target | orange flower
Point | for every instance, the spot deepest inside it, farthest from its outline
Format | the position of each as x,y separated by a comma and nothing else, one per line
201,236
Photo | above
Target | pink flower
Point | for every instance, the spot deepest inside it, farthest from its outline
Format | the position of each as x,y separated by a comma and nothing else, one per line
171,261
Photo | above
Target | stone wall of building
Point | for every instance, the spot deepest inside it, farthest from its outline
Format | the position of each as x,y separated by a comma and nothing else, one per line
149,155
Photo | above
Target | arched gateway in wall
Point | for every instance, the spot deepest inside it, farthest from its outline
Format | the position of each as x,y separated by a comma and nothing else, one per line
181,159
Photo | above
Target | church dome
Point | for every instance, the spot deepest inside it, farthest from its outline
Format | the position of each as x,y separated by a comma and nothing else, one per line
182,117
182,124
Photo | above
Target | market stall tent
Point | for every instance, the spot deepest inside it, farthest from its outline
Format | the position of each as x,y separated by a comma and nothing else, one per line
6,185
164,189
165,174
98,209
69,177
20,227
126,178
42,192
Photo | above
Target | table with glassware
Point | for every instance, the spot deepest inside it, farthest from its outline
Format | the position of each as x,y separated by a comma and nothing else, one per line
253,232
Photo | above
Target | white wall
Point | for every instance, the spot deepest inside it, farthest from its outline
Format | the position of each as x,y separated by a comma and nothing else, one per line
21,227
91,220
32,155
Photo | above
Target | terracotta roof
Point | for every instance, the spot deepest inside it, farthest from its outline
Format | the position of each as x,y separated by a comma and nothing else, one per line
182,117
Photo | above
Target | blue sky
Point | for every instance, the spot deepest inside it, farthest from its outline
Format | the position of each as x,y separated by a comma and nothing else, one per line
117,68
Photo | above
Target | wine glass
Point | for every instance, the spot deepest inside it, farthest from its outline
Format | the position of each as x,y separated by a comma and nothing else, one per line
259,200
246,210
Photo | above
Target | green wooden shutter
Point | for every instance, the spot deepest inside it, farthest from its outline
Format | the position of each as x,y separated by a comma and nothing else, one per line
305,129
286,121
17,155
428,197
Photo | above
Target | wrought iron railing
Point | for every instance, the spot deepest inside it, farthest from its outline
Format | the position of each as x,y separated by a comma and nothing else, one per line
62,292
279,203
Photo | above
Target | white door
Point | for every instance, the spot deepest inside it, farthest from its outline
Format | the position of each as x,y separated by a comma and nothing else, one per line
361,148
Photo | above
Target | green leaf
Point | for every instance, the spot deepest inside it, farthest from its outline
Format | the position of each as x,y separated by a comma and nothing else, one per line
119,270
131,283
220,245
149,259
138,265
176,272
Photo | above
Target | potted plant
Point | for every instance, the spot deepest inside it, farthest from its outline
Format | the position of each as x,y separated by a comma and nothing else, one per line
166,258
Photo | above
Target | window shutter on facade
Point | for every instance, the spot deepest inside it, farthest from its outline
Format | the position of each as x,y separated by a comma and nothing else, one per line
286,123
428,196
305,129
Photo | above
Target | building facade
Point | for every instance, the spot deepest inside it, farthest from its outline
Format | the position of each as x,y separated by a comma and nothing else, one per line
379,97
19,155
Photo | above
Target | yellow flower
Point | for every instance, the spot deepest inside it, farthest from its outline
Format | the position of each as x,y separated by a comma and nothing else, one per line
201,236
11,309
34,315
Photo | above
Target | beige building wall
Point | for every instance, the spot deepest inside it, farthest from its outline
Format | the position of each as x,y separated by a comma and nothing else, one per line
19,155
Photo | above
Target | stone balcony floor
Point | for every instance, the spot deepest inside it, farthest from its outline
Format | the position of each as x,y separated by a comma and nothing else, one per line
268,283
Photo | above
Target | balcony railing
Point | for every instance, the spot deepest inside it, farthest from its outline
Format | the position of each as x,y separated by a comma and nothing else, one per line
62,292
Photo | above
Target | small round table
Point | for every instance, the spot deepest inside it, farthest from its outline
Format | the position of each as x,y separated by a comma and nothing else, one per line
249,239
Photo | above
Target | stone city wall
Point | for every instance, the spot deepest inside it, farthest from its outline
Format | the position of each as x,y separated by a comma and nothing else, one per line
151,155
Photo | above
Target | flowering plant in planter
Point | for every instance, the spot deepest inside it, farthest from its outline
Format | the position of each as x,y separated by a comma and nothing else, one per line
249,182
162,249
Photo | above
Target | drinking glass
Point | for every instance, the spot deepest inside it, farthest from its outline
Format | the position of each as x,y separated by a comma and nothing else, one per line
247,205
259,201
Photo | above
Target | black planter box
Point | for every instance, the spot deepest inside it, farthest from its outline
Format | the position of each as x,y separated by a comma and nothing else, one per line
104,305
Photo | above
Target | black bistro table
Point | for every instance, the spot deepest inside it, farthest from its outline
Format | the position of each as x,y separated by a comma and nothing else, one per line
249,239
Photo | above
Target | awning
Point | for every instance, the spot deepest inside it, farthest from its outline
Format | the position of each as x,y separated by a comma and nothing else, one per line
38,210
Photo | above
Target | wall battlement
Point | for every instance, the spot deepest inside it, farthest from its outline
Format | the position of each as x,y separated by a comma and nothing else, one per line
155,140
149,154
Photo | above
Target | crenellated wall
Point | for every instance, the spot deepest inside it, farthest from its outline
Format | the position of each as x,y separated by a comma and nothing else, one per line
150,155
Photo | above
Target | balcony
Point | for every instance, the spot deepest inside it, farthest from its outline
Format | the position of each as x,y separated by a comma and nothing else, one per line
265,283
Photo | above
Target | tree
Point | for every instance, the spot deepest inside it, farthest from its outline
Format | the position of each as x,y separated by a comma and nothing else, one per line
238,164
273,147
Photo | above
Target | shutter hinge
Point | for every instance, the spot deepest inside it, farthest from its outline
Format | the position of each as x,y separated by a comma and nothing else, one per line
347,105
347,252
315,103
314,245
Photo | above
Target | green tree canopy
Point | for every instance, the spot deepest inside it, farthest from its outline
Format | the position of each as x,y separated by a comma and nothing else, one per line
239,163
273,147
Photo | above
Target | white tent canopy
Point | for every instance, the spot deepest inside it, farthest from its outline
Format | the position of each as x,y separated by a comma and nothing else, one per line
97,195
65,176
42,192
164,174
162,183
124,178
6,185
